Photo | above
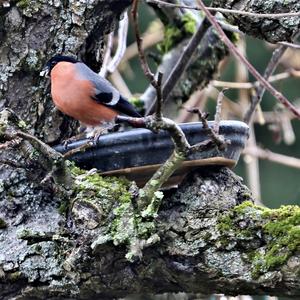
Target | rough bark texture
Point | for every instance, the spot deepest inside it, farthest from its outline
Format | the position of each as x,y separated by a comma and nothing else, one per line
58,241
62,239
271,30
33,31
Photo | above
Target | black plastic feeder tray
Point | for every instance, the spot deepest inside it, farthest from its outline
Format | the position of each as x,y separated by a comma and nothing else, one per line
137,153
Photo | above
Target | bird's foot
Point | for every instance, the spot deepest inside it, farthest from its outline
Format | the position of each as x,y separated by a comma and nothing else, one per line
72,139
94,133
88,144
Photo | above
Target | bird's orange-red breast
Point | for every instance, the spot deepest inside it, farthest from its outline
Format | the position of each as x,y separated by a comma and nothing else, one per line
73,96
84,95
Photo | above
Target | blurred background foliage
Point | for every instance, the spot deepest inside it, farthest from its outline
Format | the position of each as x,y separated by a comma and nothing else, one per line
279,184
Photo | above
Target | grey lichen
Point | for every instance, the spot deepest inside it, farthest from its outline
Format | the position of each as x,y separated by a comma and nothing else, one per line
97,198
32,32
272,30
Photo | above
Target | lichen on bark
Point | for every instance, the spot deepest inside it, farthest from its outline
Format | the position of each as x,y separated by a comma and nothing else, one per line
272,30
80,251
32,32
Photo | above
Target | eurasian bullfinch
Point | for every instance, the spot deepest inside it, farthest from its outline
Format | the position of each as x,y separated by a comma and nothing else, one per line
83,94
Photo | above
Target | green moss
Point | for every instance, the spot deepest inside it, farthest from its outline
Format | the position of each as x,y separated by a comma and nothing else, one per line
112,196
172,35
175,33
283,228
240,209
225,223
15,276
189,23
102,191
23,3
63,207
22,124
2,224
280,228
137,103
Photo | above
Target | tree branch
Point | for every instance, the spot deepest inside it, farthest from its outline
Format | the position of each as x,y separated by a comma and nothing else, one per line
251,69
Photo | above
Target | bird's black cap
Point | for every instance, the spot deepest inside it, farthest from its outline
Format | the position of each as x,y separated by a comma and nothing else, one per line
59,58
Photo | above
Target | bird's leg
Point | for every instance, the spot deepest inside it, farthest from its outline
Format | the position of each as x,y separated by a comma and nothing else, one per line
76,137
94,133
114,128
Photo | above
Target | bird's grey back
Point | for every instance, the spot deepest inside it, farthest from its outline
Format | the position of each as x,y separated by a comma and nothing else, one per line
101,84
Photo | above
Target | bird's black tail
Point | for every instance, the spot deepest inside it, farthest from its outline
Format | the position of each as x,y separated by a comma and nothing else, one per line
125,107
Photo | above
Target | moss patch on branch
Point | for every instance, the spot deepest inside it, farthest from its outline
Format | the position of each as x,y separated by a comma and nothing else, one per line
111,199
279,229
175,33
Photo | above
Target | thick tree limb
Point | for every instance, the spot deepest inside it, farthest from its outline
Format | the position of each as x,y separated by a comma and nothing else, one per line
33,31
55,243
271,30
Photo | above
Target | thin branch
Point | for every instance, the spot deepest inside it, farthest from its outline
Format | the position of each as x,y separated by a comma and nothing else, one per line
215,137
107,55
118,81
149,198
290,45
145,66
182,63
218,112
272,65
158,114
241,58
229,11
289,161
122,42
251,85
252,168
288,133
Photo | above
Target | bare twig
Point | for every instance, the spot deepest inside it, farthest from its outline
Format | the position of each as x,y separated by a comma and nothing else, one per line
149,198
158,114
218,112
215,137
182,63
10,144
241,58
41,146
156,83
273,63
229,11
197,99
145,66
252,168
107,55
290,45
274,157
81,148
251,85
288,133
122,42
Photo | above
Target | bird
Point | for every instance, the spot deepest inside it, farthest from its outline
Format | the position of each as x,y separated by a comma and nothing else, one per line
81,93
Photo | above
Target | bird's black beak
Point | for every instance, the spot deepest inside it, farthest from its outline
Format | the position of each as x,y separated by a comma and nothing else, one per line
45,72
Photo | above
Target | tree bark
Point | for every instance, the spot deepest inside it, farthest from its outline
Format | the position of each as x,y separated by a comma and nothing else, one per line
71,239
66,233
31,32
268,29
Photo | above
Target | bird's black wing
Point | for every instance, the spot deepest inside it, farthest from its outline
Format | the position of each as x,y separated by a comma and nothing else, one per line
105,93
